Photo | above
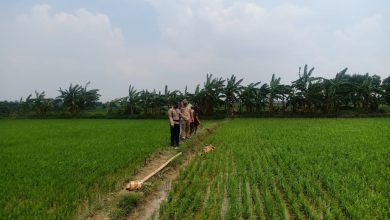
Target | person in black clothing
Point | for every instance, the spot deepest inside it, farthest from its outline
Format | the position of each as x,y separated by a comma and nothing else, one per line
174,120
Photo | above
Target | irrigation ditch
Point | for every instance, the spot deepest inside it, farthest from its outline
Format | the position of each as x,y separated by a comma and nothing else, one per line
145,202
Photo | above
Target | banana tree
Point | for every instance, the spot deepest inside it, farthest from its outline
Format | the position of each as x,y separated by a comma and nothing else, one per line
301,88
71,97
231,92
370,92
40,103
334,90
197,96
157,102
77,98
24,105
262,97
150,102
89,97
275,91
132,100
247,96
212,92
314,96
285,90
172,96
386,90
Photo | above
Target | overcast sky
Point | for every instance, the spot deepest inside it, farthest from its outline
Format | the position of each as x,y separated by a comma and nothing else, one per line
49,44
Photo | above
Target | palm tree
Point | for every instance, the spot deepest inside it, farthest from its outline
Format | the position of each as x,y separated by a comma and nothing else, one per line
231,92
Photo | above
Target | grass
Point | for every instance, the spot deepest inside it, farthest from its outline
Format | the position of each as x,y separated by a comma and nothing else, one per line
125,204
288,168
48,168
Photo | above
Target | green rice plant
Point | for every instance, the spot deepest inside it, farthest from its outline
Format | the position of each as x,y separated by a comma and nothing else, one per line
125,204
232,192
218,202
51,168
212,189
295,168
198,200
246,212
258,207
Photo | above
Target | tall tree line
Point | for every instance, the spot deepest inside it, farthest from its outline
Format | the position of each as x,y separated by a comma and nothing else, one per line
307,94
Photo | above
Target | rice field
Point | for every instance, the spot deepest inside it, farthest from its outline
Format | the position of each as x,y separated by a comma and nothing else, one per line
288,169
260,169
49,167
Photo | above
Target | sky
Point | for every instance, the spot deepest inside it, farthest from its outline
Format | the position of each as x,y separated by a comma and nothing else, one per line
45,45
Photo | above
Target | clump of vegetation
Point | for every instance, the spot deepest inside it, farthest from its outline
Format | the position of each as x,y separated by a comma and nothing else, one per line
125,204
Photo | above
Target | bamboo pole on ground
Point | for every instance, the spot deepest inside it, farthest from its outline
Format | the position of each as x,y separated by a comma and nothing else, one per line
133,185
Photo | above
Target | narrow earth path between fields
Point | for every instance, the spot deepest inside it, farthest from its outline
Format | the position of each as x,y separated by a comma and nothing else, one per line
152,201
155,190
151,204
151,163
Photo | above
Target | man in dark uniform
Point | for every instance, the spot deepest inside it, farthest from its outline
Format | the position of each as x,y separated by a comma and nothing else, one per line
174,120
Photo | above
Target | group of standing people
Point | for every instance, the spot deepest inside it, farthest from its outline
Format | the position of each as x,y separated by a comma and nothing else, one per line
184,121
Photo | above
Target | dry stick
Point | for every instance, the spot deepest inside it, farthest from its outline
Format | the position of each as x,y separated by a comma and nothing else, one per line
137,184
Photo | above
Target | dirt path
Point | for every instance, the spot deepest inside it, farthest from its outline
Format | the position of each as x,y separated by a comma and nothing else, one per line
156,189
151,163
152,201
